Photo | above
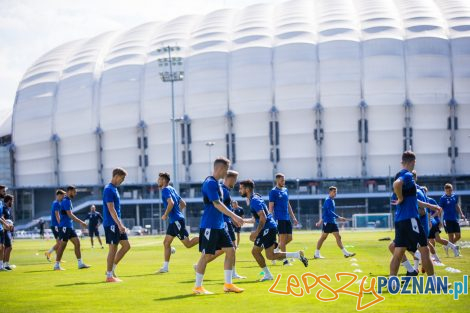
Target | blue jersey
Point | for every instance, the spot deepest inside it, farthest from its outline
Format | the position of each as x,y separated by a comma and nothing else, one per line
66,206
94,218
409,207
7,213
257,205
328,211
434,220
211,191
55,207
227,200
280,198
449,206
424,219
175,213
1,212
111,194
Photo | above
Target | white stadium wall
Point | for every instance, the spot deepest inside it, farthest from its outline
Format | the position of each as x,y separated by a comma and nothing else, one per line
87,103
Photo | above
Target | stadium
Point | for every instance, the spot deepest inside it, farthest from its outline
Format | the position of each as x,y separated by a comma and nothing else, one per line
330,93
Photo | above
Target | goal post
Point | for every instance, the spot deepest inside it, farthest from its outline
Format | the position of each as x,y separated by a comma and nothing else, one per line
377,221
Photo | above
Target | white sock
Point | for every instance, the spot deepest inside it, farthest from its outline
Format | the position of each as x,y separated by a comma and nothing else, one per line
199,278
57,263
228,276
436,258
266,271
165,265
417,255
450,245
79,261
408,266
1,262
6,264
345,252
114,267
50,250
317,252
109,274
292,255
416,265
234,271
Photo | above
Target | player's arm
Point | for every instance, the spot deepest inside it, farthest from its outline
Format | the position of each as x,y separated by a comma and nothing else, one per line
57,216
271,207
291,213
430,206
237,220
459,210
4,223
397,189
75,219
113,213
100,219
169,207
182,204
262,222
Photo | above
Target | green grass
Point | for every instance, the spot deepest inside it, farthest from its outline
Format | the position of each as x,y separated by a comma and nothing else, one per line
34,287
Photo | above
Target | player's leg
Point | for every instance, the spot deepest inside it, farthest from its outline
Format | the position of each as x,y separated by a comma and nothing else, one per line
77,248
346,253
91,238
214,256
189,243
397,256
59,253
166,253
256,252
125,247
110,262
320,242
1,256
7,248
97,234
238,237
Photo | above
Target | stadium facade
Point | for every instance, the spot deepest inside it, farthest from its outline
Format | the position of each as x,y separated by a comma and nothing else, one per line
326,91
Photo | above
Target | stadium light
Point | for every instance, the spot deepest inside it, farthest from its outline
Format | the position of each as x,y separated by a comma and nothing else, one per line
210,144
169,75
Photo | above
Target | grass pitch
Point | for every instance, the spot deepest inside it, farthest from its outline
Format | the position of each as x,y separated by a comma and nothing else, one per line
34,287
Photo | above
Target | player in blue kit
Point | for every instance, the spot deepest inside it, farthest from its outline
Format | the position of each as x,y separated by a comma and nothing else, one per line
329,225
3,225
94,220
281,209
212,234
264,234
55,219
114,229
449,202
173,204
66,230
7,231
409,233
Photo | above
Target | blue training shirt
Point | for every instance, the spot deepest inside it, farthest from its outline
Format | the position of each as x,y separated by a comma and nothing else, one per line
449,205
227,200
434,220
280,198
175,213
257,205
328,211
54,208
65,206
409,207
424,219
110,194
211,191
1,213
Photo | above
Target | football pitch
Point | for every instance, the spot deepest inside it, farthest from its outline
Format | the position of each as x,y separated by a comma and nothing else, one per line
34,287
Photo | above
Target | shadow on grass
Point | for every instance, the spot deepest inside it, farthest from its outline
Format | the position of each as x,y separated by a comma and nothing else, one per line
82,284
192,281
140,275
179,297
43,271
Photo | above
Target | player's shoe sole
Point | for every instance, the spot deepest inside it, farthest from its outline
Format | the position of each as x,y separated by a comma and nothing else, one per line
161,271
265,278
201,291
232,288
238,277
83,266
414,273
113,280
318,257
349,255
303,259
8,268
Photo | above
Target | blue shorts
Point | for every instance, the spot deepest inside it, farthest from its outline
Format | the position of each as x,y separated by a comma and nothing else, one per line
230,230
284,227
237,229
330,228
113,235
211,240
66,233
93,231
410,234
177,229
433,231
8,238
55,231
2,237
266,238
451,227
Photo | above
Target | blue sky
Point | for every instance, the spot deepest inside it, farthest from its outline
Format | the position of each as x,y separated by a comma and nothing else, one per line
30,28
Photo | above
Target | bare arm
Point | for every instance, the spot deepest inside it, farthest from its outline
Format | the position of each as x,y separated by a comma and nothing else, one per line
271,207
76,219
237,220
169,207
112,212
57,216
459,210
291,213
397,188
262,222
182,204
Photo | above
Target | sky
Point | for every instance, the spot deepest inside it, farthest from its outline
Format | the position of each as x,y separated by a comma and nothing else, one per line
31,28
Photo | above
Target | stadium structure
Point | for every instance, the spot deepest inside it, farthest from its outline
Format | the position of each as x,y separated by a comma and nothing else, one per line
329,92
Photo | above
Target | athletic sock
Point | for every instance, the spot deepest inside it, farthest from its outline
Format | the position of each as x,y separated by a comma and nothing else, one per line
109,274
266,271
292,255
1,264
6,264
450,245
199,278
79,262
234,271
50,250
57,263
165,265
416,265
408,266
228,276
317,252
345,252
114,266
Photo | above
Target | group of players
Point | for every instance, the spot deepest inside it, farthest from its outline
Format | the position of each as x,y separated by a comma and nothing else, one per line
417,224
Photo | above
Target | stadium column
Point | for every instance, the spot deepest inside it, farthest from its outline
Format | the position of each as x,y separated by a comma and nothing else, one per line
407,130
55,146
452,127
274,137
363,138
318,135
186,141
142,145
99,149
230,137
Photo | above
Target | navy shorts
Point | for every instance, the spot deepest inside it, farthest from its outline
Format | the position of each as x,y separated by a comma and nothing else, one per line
230,230
432,232
266,238
284,227
93,231
330,228
2,237
55,231
237,229
8,238
113,235
211,240
410,234
177,229
66,233
451,227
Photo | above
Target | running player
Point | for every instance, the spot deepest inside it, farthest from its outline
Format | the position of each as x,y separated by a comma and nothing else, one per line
280,207
66,230
94,220
114,229
328,221
212,234
7,216
264,235
450,203
409,233
173,204
55,220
